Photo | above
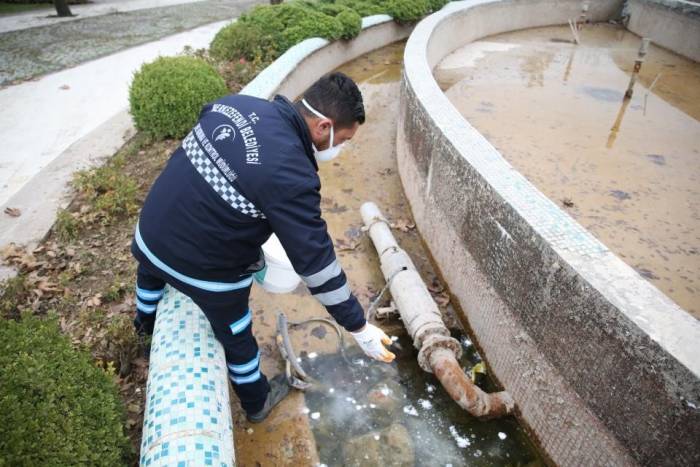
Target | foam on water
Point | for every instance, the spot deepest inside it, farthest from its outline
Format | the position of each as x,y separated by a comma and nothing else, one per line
441,432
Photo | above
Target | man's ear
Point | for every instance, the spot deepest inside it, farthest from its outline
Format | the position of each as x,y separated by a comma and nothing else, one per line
322,126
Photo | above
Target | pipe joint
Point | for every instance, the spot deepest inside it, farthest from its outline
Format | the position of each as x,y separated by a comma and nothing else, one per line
433,342
463,391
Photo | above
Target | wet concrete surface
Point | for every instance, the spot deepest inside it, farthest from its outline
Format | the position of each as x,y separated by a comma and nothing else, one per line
550,107
366,170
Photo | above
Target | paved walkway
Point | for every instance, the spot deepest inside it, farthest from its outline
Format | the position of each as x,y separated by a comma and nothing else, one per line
43,117
47,16
36,51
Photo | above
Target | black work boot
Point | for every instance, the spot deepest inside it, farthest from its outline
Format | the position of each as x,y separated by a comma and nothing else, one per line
278,391
144,331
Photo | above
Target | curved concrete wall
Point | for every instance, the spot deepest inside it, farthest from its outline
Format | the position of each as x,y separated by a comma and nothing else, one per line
673,24
603,367
300,66
187,419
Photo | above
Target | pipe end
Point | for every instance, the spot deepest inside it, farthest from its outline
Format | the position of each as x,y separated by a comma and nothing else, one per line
369,211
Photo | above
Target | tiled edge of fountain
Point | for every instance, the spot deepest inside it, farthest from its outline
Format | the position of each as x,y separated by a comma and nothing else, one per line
187,418
604,368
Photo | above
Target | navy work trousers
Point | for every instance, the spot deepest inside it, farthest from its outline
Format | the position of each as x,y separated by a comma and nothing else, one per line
230,318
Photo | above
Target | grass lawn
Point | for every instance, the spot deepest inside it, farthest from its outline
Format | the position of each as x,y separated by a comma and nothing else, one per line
13,8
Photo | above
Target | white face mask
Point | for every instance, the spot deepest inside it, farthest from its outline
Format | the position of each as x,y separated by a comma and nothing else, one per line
332,151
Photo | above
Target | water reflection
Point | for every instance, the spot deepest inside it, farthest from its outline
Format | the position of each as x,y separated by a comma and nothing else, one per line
558,116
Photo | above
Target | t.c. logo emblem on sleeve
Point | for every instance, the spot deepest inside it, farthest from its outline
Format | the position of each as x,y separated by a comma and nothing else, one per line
223,132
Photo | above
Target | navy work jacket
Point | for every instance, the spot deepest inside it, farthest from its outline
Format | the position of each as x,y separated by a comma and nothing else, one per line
246,169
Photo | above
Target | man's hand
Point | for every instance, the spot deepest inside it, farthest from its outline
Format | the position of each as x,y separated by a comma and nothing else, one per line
371,340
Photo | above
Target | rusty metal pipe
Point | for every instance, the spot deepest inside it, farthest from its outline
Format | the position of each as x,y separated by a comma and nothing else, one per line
641,54
437,350
468,395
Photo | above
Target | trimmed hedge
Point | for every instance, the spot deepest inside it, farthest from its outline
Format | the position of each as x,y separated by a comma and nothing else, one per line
238,40
350,22
435,5
267,31
166,95
407,11
361,7
57,407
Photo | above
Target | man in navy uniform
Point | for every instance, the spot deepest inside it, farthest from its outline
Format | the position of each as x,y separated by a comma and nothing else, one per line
247,169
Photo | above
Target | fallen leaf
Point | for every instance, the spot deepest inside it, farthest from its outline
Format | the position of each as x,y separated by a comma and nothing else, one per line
11,251
478,369
13,212
336,209
75,266
64,87
119,308
94,301
404,225
319,332
364,293
442,299
436,286
47,287
344,245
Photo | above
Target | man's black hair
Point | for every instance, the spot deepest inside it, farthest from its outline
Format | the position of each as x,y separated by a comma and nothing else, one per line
337,97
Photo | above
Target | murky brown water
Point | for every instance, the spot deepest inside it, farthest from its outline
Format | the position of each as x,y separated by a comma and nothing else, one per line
294,435
549,107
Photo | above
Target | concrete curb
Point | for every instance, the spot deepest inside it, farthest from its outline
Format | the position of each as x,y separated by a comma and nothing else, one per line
602,365
49,190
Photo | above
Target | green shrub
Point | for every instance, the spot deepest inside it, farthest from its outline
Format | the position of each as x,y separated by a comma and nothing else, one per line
267,31
248,41
363,7
273,19
314,25
57,407
405,11
332,9
167,95
293,22
435,5
13,291
350,22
